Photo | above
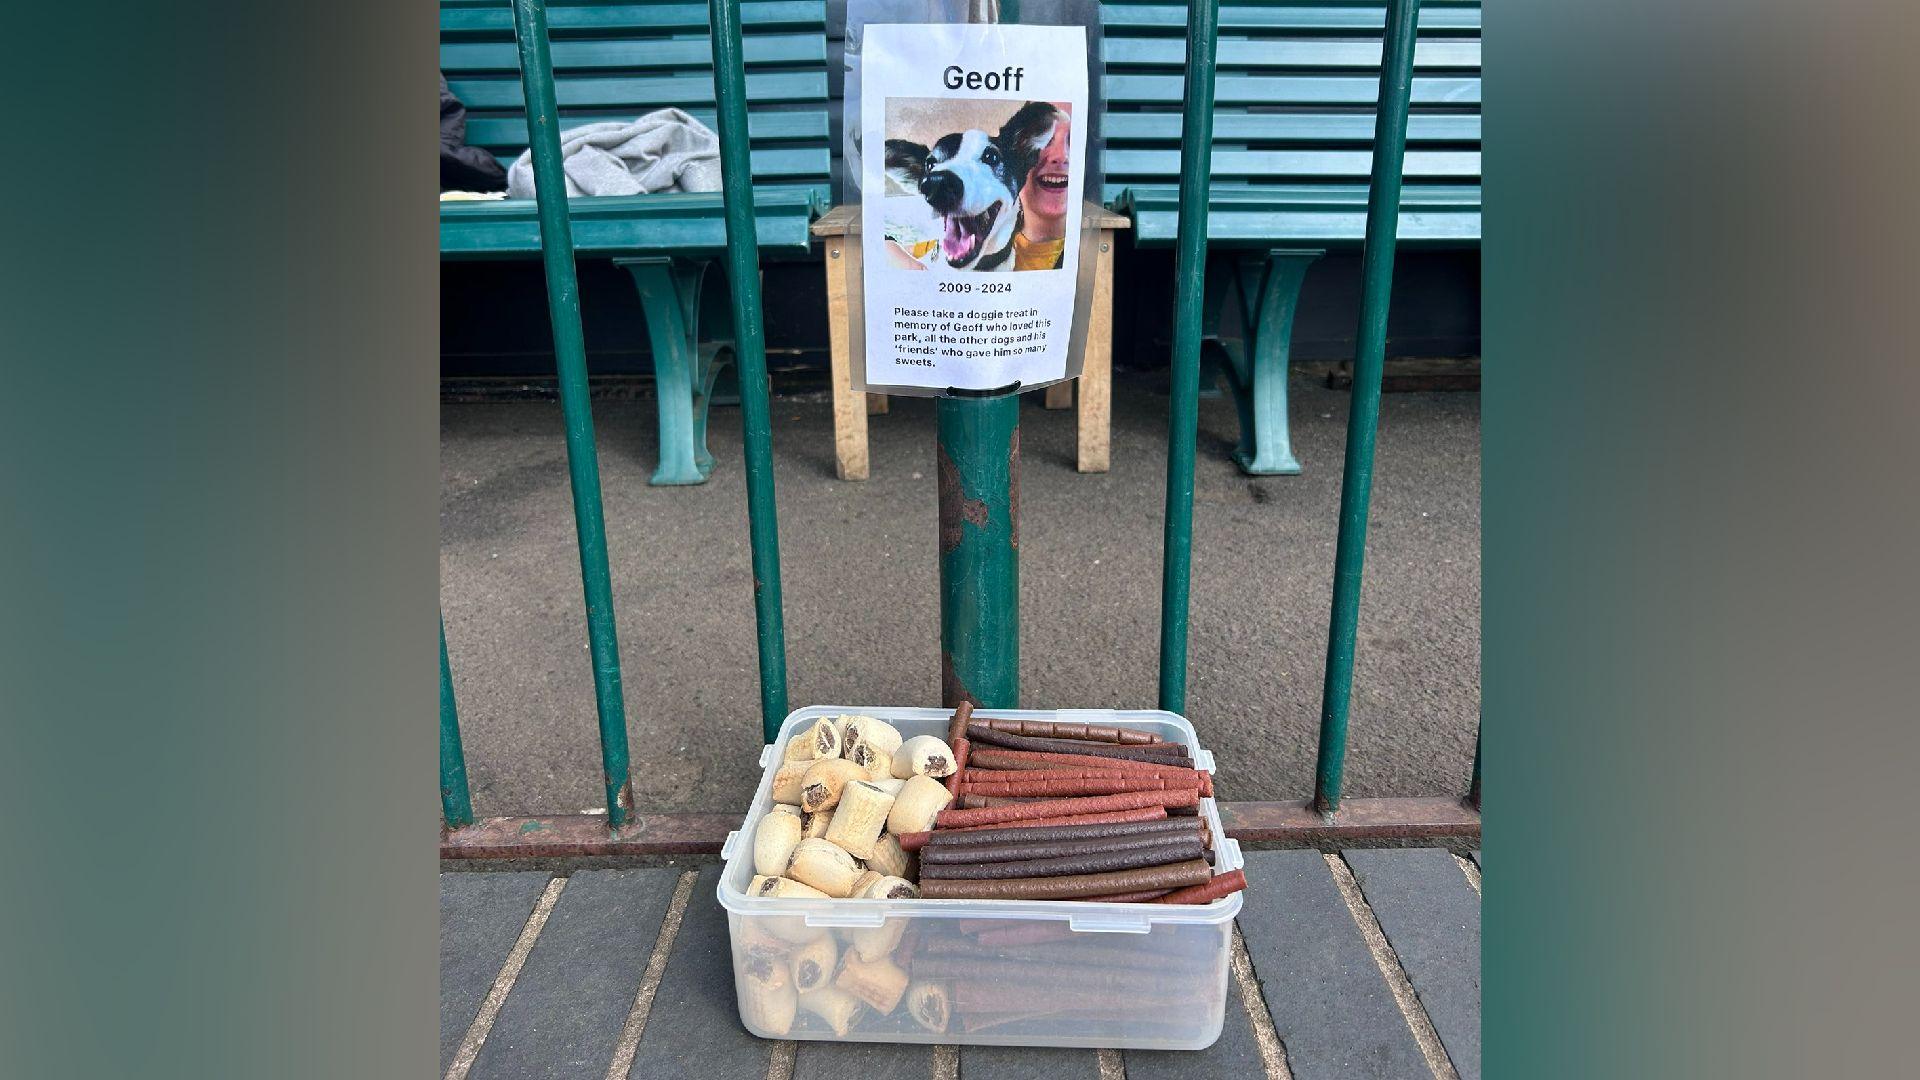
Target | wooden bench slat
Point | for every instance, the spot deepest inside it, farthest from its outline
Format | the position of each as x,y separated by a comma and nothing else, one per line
1317,128
643,92
1171,52
496,17
1286,90
460,57
1126,164
1435,16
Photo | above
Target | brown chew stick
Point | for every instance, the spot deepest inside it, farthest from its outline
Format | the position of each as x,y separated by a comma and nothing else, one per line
1132,771
999,757
1047,849
957,727
1166,753
975,802
914,841
1225,885
962,750
1054,729
1056,788
1096,862
1025,835
1071,886
1140,897
1092,804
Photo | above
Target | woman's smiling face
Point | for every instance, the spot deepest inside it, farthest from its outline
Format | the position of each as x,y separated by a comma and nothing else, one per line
1046,192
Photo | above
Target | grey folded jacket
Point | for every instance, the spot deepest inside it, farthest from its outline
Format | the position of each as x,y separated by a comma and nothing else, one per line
665,150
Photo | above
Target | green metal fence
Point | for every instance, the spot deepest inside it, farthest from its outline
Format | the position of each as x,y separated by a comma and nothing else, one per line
978,436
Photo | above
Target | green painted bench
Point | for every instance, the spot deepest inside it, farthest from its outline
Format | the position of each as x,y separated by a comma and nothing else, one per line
1293,126
615,61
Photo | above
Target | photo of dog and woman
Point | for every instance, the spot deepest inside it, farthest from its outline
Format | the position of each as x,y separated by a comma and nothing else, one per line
977,183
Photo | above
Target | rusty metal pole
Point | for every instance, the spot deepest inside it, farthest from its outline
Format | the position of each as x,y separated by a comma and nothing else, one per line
978,463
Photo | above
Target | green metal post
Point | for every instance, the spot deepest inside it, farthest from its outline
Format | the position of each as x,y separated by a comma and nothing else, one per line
456,802
750,354
979,465
1473,792
1183,405
1363,410
570,353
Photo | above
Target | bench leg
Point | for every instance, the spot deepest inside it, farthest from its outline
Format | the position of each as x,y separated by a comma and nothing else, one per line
1269,289
842,266
683,369
1094,419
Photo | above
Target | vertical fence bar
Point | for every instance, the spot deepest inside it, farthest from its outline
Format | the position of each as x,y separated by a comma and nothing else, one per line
456,801
1183,405
750,357
1363,410
978,461
570,354
1473,792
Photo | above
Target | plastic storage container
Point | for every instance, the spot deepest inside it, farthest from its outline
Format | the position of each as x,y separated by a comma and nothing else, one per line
1014,972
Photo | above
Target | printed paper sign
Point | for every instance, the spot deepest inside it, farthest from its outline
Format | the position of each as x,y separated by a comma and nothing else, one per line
970,202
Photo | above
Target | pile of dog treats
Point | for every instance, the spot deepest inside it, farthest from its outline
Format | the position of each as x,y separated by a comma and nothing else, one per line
1057,811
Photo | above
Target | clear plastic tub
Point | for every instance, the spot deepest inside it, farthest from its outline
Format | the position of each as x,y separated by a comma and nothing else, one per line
1013,972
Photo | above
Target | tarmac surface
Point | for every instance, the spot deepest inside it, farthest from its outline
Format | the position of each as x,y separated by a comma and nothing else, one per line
862,600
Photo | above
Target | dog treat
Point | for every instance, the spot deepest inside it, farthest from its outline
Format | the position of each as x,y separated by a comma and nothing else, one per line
920,799
1091,772
880,983
787,781
1092,804
1140,897
948,854
889,888
784,887
835,1006
1055,729
870,743
859,819
822,740
913,841
891,785
928,1005
821,786
813,964
814,824
770,999
999,757
774,840
957,727
824,866
1019,835
1173,753
1071,886
924,755
877,942
962,751
1223,885
1093,862
1050,789
865,881
890,858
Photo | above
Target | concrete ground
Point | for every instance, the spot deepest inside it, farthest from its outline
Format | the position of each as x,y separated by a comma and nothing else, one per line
860,577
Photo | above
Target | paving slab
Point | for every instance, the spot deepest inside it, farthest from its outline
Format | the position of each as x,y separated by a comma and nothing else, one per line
1027,1063
1331,1006
572,998
866,1061
1234,1054
1431,917
694,1027
481,916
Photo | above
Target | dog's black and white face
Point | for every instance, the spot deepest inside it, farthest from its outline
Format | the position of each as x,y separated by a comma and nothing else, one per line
973,181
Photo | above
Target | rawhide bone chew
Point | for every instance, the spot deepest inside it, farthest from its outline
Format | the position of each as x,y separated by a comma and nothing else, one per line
913,841
1057,729
1024,834
938,854
1206,893
1070,886
1092,804
1170,753
1096,862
